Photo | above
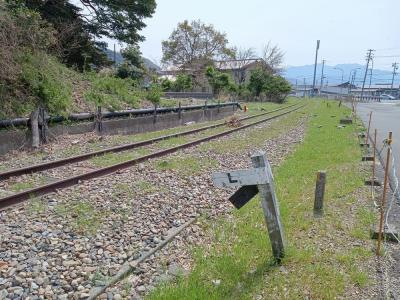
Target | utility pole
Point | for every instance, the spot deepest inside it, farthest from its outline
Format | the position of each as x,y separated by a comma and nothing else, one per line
395,66
296,88
369,58
370,74
322,75
304,88
315,67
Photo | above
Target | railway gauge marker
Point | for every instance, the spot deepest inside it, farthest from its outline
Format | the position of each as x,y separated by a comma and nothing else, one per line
257,180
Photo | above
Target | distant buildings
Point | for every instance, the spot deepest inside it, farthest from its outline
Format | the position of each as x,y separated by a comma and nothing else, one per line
239,70
344,89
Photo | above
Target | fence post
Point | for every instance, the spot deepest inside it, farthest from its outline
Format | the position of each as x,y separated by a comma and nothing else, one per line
43,125
383,202
99,119
179,110
270,205
319,194
155,114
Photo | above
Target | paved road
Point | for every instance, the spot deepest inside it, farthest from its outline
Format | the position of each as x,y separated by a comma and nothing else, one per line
385,118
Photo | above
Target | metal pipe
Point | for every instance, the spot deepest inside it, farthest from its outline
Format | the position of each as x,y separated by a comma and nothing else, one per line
108,115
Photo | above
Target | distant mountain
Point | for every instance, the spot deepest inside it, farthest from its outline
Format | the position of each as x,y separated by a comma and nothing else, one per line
119,59
334,76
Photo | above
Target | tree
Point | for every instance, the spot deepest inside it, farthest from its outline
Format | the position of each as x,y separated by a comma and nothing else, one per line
274,87
133,65
80,22
193,42
258,80
219,81
182,83
273,57
277,89
117,19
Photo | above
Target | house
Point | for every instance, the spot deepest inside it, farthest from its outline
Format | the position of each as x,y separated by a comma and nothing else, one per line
239,69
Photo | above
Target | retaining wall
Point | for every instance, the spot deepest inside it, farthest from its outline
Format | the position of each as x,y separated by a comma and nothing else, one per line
17,139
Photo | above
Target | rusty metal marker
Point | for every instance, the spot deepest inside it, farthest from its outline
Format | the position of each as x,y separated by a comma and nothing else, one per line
257,180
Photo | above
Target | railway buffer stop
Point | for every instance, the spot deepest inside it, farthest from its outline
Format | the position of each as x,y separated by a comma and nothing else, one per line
253,181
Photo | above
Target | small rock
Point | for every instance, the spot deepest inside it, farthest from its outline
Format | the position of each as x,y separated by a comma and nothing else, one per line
84,296
141,288
216,282
34,286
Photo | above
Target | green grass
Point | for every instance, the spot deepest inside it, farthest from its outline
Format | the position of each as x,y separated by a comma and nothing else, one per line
85,218
186,166
109,159
21,186
322,259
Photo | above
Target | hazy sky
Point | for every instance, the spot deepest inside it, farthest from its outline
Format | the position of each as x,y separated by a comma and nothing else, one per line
346,28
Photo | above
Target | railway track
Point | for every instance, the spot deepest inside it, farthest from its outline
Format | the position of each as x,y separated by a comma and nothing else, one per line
65,161
67,182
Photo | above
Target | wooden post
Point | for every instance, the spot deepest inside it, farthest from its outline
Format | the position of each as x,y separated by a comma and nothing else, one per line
383,202
270,205
319,194
155,114
99,120
369,126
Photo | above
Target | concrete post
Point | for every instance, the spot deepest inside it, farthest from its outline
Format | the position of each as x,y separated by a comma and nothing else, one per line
270,205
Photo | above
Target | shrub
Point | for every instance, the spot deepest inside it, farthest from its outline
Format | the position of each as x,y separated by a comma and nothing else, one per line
219,81
277,89
182,83
257,82
274,87
166,84
154,93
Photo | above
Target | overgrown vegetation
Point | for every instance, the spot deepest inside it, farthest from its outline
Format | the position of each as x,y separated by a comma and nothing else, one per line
113,93
48,57
322,260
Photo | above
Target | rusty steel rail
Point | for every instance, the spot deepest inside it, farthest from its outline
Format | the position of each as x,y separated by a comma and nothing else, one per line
67,182
61,162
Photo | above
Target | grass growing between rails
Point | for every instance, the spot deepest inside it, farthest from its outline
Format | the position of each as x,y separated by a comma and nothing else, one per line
326,258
